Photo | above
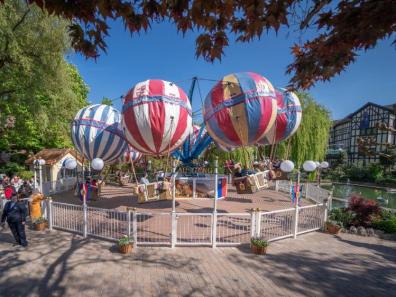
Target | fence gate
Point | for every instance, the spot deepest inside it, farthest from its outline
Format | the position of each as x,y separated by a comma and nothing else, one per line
233,228
194,228
152,228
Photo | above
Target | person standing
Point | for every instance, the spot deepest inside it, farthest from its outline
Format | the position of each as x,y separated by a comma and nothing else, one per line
15,213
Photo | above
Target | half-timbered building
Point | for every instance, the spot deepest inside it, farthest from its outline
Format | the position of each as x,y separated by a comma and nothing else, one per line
364,134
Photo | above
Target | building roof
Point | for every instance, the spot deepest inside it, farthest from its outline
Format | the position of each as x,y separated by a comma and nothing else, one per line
52,156
391,108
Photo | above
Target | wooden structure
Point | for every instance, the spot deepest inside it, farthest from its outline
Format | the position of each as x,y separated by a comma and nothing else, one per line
252,183
153,191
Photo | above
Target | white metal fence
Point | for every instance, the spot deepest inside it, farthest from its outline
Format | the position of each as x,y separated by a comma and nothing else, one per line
310,191
180,229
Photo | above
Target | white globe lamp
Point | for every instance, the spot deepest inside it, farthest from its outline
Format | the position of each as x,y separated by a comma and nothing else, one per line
71,164
287,166
324,165
97,164
309,166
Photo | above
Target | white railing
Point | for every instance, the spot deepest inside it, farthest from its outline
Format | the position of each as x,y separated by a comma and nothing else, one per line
283,186
233,228
106,223
310,191
315,193
67,216
194,228
152,228
174,229
310,218
275,225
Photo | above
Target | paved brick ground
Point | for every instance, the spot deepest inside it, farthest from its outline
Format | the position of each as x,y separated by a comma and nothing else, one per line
115,197
316,264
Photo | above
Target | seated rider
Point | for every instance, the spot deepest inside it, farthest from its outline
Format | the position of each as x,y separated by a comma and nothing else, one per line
144,179
238,172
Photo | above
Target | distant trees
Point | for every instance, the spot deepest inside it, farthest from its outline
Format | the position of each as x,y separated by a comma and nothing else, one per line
39,91
107,101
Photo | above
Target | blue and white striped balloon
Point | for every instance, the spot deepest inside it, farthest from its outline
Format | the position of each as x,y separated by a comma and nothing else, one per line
97,133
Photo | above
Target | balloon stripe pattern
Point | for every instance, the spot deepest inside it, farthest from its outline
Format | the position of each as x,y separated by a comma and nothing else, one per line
240,109
288,118
156,117
97,133
131,155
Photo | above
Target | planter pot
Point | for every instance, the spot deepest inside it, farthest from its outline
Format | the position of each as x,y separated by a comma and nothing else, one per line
125,249
259,250
332,229
40,227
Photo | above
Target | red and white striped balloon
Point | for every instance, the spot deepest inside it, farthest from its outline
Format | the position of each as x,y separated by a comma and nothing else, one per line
156,117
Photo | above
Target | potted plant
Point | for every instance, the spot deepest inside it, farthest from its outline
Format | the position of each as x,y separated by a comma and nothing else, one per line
333,227
125,244
40,223
259,246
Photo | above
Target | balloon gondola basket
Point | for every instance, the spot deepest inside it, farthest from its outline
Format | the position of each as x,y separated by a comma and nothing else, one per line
252,183
156,191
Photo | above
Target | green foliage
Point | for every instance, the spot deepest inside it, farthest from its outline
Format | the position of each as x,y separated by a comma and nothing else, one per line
124,240
107,101
388,158
245,156
37,86
311,139
11,168
25,174
371,173
341,216
387,225
259,242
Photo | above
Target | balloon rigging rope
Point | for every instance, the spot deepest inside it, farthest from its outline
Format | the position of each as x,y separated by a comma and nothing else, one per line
170,140
288,149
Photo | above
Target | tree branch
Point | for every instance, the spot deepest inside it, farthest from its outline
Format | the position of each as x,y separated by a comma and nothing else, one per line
318,6
2,93
21,20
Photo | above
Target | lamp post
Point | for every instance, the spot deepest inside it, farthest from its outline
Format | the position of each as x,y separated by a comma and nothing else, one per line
323,165
38,165
288,166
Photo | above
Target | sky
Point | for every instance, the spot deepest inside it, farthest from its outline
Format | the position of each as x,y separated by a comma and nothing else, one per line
162,53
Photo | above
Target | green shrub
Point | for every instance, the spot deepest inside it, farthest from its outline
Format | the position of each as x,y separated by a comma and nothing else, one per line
25,174
125,240
341,216
259,242
11,168
388,226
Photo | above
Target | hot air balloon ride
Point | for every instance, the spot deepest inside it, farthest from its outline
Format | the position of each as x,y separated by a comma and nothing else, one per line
240,109
97,133
156,117
288,118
